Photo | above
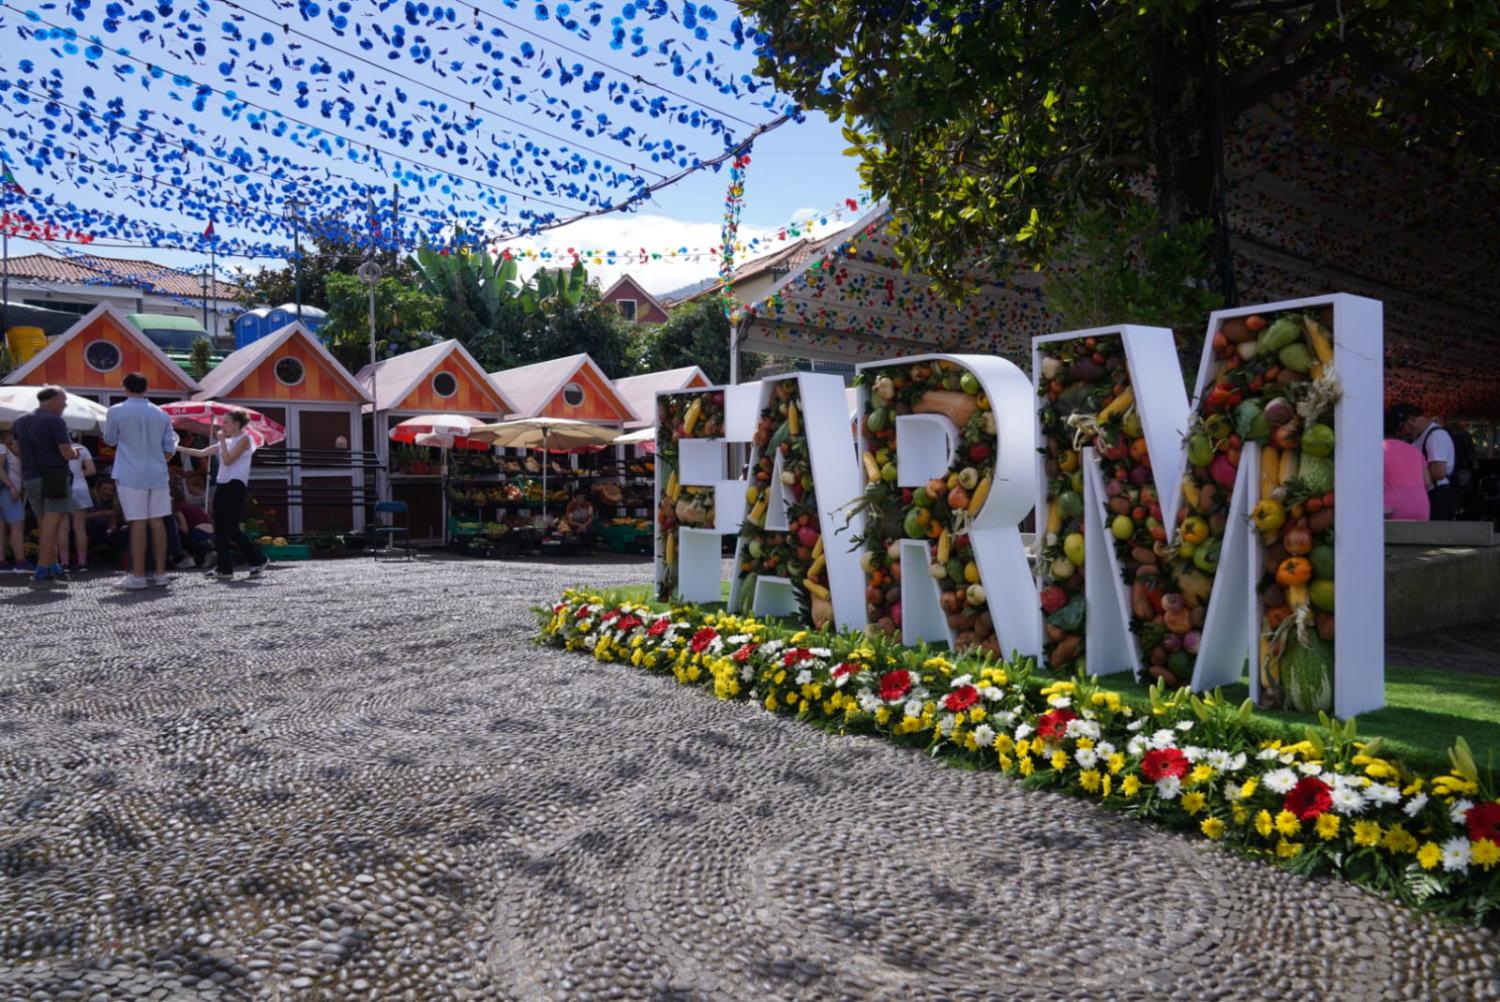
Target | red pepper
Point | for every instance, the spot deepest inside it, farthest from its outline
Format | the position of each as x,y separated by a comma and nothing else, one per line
979,453
1053,598
1223,397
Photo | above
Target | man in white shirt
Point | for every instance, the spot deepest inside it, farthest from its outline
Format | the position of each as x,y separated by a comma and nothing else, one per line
1437,447
144,440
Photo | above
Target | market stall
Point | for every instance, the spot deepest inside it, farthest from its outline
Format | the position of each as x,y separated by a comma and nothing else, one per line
292,379
442,378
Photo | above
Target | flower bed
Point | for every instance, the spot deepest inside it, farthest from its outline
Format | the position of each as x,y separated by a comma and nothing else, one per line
1330,803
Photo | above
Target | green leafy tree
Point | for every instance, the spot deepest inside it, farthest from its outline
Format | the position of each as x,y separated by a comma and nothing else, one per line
274,286
696,333
990,126
405,317
200,357
558,327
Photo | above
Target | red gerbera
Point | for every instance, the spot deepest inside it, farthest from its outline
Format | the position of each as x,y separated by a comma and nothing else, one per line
961,699
743,654
610,616
627,623
659,627
895,685
702,639
847,668
1309,798
795,656
1053,725
1160,763
582,612
1484,822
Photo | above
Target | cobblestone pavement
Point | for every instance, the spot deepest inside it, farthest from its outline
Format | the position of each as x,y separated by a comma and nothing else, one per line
354,780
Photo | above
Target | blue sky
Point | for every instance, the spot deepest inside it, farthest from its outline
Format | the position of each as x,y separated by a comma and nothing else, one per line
797,170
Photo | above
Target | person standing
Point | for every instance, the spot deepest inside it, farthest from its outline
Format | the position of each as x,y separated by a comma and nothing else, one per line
1434,442
45,452
1406,478
12,505
234,449
82,468
142,436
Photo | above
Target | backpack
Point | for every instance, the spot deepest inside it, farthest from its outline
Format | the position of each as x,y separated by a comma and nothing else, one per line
1465,460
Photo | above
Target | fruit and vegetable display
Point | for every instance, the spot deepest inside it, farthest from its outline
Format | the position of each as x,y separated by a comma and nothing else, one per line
938,512
680,416
1271,384
794,550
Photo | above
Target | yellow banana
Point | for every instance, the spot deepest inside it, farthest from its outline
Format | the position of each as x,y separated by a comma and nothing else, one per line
817,565
872,468
815,589
1322,343
691,417
1117,406
980,493
817,550
1270,468
1054,516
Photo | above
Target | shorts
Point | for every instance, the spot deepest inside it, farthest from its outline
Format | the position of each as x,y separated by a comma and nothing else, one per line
12,510
45,506
82,501
140,503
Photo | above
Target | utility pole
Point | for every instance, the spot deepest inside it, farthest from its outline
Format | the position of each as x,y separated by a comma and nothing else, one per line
291,210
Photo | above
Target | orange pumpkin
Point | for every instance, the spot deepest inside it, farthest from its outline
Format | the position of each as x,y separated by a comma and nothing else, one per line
1294,571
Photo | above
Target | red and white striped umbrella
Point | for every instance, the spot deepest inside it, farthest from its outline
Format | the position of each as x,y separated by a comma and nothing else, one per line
201,417
442,431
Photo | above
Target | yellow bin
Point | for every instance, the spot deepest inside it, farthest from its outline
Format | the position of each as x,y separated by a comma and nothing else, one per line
23,343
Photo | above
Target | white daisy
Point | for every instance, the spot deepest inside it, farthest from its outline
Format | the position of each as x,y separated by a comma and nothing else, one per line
1459,811
746,673
1003,717
945,724
1023,731
1237,763
869,702
1218,758
804,677
1168,787
1059,701
1457,854
961,681
1104,749
1379,793
1348,800
1280,780
1164,738
1184,725
1232,791
1086,758
1193,752
1083,729
820,652
984,735
1136,725
913,708
740,638
1266,754
1136,746
1415,804
1310,768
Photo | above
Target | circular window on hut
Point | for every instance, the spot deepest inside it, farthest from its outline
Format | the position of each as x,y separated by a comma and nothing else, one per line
444,385
102,356
573,395
289,371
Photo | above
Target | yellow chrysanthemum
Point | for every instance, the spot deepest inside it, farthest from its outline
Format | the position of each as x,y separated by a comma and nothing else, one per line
1398,839
1130,786
1105,785
1287,823
1327,826
1249,788
1089,779
1003,744
1027,766
1116,763
1212,827
1006,762
1430,855
1239,813
1085,743
883,715
1485,853
1366,833
1264,824
1193,802
1023,747
1059,760
977,715
1288,850
771,702
1202,773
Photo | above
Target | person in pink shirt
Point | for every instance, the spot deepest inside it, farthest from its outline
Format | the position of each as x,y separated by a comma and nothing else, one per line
1406,477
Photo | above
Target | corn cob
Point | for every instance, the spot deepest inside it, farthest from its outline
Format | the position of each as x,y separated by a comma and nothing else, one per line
1270,469
1116,406
980,494
791,418
944,547
872,468
1288,466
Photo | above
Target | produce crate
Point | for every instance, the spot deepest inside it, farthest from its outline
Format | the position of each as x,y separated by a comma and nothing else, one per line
292,551
623,538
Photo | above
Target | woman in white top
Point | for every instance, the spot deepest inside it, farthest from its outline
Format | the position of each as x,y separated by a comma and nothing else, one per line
12,509
82,467
234,449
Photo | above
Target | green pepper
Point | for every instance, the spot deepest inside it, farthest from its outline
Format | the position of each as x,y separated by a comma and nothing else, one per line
1206,556
1295,357
1277,336
1200,450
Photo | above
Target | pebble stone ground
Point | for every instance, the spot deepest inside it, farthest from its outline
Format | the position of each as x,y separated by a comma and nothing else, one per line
355,780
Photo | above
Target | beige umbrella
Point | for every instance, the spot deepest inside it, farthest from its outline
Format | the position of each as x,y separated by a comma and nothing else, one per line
80,413
546,434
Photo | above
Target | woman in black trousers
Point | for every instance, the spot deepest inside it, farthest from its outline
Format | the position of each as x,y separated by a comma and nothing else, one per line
231,486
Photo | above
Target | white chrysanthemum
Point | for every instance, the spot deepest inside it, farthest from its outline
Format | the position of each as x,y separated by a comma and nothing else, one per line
945,724
1193,752
913,708
1003,717
1086,758
1457,854
1168,787
804,677
746,673
1415,804
1347,800
1059,701
1232,791
1237,763
869,702
1379,793
1218,759
772,646
1136,746
1266,754
820,652
961,681
984,735
1184,725
1164,738
1460,810
1104,750
1136,725
1311,768
739,639
989,693
1280,780
1082,729
1023,731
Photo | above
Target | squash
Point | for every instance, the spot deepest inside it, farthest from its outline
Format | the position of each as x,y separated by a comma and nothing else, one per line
1294,571
955,406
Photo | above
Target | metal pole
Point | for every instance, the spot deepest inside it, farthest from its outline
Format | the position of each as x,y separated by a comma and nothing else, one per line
5,294
297,263
213,286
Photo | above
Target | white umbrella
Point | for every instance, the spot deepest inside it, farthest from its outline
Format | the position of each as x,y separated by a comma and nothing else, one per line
440,431
547,434
81,414
639,437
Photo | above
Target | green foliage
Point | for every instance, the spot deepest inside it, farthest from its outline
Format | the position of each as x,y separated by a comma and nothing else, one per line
558,327
1115,267
404,318
990,126
199,358
274,286
696,333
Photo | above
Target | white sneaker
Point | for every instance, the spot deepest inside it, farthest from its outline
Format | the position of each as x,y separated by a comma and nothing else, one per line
186,560
158,580
133,583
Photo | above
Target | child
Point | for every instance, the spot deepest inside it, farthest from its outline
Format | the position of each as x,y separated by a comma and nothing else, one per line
82,467
12,507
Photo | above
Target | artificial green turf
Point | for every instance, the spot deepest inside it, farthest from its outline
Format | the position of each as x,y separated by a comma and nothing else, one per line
1426,708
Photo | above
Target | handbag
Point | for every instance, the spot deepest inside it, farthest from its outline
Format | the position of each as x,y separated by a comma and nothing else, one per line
57,483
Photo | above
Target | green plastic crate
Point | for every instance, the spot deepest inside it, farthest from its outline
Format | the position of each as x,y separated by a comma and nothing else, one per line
292,551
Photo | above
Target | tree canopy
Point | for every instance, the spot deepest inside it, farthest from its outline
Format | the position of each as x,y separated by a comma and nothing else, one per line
989,127
696,333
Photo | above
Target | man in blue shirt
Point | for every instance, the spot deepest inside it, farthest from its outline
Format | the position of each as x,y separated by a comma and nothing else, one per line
45,478
144,440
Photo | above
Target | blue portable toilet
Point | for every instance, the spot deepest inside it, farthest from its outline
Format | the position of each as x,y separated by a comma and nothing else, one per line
277,319
312,318
250,326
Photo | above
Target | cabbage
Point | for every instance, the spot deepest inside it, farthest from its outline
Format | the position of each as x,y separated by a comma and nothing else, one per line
1317,473
1307,673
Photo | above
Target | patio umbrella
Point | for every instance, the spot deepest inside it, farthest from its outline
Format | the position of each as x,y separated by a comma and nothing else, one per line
440,431
80,414
644,437
548,435
201,417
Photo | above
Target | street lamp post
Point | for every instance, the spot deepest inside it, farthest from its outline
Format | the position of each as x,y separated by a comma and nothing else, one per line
291,211
369,273
206,280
